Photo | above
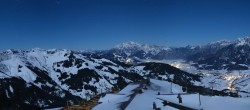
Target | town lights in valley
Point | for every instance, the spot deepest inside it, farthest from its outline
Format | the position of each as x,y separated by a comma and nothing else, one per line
230,79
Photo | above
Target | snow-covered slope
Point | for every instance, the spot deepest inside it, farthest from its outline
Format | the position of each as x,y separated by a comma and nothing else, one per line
51,78
48,78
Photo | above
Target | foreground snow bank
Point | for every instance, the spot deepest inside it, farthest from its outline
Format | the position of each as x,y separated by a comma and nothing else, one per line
209,103
145,100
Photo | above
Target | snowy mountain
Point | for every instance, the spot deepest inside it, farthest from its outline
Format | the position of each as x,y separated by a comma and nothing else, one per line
138,52
48,78
130,48
231,55
40,78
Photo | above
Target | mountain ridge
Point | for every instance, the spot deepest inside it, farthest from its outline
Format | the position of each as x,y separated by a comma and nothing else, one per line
50,78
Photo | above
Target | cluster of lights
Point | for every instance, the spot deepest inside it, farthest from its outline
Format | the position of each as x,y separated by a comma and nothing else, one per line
230,79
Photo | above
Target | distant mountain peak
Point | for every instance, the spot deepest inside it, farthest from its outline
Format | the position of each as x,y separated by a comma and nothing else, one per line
238,42
244,38
132,48
243,41
220,42
130,44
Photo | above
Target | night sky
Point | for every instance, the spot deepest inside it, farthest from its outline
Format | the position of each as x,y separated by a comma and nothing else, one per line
101,24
